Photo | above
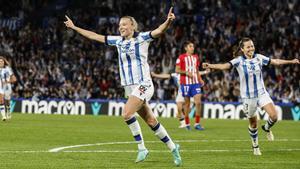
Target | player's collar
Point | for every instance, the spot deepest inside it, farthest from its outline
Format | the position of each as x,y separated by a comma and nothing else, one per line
254,55
135,34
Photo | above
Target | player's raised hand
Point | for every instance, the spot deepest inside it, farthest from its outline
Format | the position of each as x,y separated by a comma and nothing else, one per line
69,23
171,15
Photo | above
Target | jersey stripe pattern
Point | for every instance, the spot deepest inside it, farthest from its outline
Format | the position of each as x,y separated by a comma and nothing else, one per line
188,63
133,56
250,73
5,74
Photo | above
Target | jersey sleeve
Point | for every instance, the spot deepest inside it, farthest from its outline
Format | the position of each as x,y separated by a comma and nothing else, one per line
264,60
178,62
235,62
112,40
146,36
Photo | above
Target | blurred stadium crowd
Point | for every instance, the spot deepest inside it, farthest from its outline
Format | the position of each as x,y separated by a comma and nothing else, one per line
53,62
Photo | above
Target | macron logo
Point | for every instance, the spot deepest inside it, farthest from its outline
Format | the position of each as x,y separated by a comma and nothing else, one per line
96,108
12,105
296,113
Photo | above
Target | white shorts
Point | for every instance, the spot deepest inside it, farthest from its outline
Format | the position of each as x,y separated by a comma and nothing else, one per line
2,91
179,97
250,105
7,94
143,91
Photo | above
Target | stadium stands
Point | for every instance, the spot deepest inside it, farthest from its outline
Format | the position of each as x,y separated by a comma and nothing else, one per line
52,62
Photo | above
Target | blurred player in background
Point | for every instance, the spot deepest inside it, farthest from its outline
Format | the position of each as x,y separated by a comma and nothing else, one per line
6,78
253,91
8,88
179,98
135,76
187,65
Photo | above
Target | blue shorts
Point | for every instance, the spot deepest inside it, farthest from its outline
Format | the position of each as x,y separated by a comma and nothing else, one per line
190,90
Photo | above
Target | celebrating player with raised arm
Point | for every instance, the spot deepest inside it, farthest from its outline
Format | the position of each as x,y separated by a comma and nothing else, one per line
135,76
252,88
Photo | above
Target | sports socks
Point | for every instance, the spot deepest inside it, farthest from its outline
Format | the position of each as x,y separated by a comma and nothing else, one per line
269,124
162,134
2,110
7,109
135,129
254,136
187,120
197,119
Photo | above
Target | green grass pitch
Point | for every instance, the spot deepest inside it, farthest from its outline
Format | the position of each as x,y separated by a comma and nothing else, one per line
25,142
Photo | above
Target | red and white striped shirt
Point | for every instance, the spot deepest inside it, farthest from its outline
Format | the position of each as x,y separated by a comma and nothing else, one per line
189,63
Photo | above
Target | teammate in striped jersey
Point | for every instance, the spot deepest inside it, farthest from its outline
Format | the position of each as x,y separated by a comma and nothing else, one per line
179,98
253,91
187,65
11,78
135,76
5,80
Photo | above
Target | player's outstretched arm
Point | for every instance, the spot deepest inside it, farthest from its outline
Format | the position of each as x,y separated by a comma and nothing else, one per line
164,26
161,76
223,66
278,62
86,33
205,72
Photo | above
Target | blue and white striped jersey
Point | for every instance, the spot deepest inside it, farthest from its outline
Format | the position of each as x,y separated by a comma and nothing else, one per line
133,56
250,72
5,74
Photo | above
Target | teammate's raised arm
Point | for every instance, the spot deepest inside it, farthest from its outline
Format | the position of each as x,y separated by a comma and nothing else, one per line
161,76
278,62
164,26
205,72
223,66
86,33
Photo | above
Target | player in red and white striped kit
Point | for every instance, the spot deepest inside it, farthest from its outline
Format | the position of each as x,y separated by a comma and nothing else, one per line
187,65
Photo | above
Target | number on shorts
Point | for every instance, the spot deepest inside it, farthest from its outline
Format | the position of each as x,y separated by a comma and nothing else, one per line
186,88
142,89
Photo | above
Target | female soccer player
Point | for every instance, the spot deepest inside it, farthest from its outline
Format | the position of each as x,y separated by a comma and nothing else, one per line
187,65
179,98
253,91
6,78
11,78
135,77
